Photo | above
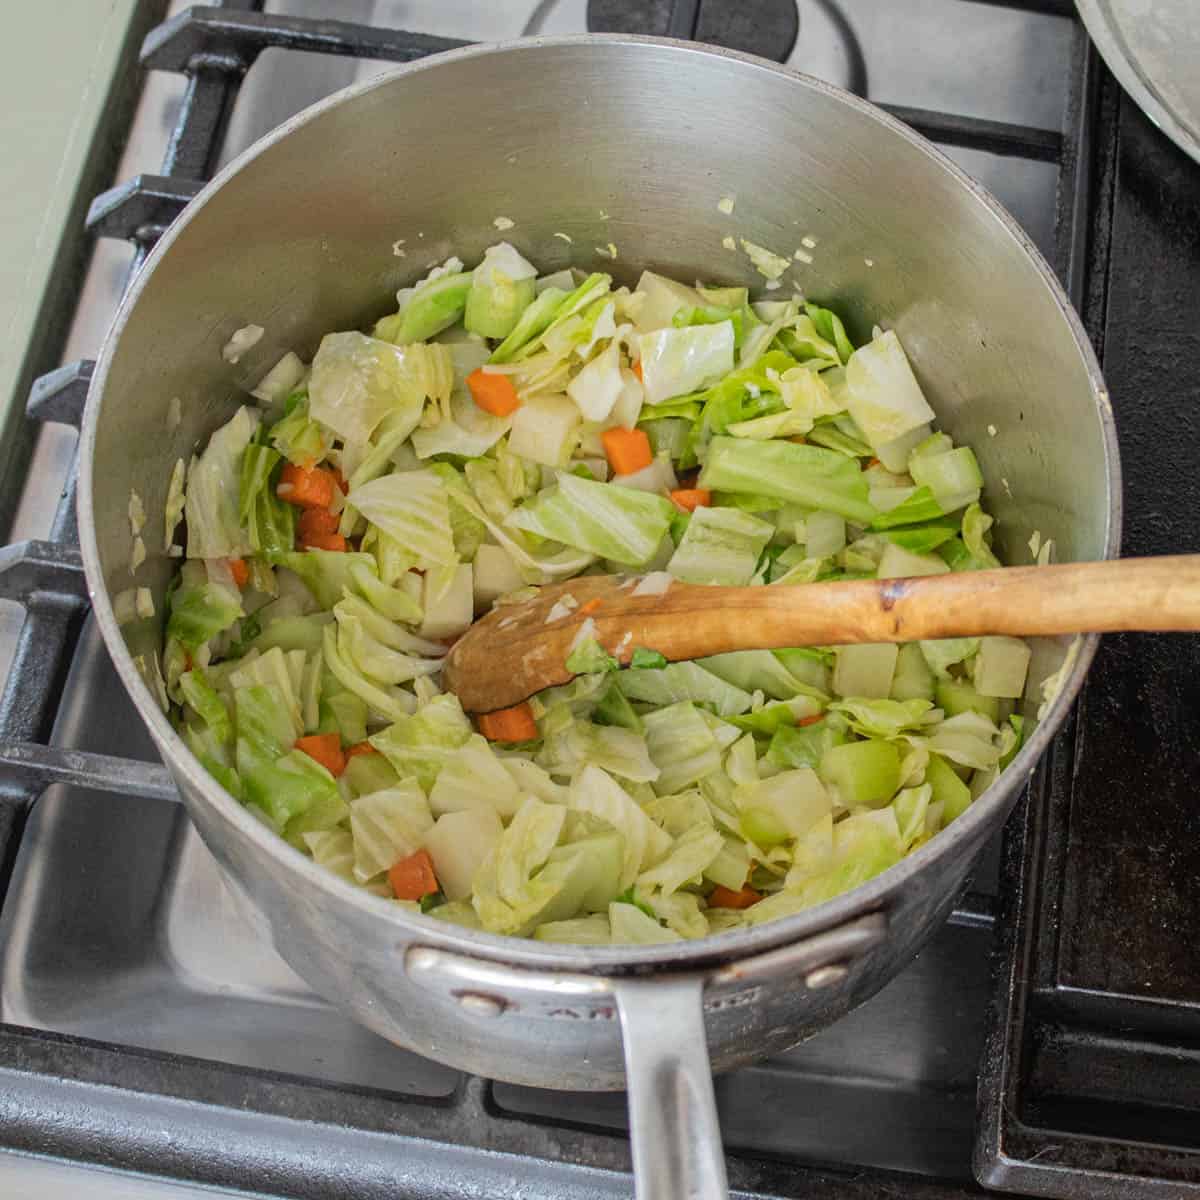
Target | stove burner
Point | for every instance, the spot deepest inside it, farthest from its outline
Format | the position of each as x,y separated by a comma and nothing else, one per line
764,27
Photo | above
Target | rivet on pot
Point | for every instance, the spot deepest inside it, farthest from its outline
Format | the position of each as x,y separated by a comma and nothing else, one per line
826,976
479,1005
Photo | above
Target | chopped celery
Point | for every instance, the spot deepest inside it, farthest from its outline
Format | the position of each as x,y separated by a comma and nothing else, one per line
502,288
955,696
614,709
367,773
1017,725
975,526
898,563
913,679
862,773
434,305
347,716
269,521
1001,667
948,790
829,326
532,322
864,670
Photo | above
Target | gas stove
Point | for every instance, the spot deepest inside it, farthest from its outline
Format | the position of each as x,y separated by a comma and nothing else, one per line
1042,1044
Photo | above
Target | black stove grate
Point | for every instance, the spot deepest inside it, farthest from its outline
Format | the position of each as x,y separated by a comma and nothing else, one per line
1046,1124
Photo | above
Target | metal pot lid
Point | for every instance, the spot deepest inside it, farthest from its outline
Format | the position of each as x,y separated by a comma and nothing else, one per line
1153,48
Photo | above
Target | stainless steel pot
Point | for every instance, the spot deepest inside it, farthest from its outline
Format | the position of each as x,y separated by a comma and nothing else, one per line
626,146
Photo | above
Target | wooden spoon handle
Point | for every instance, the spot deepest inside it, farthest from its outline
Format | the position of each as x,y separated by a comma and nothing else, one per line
1090,597
515,652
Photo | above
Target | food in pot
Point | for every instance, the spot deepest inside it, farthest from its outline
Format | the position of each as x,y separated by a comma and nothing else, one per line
503,430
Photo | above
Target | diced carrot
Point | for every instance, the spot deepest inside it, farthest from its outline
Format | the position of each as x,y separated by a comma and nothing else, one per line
340,480
323,541
690,499
723,897
240,571
360,748
316,520
590,607
637,369
514,724
493,392
811,720
874,462
306,488
628,450
413,877
325,748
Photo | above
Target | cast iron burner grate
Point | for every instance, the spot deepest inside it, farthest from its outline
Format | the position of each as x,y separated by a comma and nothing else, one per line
1088,1084
767,28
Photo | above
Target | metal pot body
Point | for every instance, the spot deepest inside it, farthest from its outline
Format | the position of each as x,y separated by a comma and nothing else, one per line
607,154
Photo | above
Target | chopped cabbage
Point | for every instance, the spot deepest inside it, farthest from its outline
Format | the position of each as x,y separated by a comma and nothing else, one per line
678,361
357,381
785,776
621,524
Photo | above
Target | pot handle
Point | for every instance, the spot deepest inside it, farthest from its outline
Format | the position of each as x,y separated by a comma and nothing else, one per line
673,1125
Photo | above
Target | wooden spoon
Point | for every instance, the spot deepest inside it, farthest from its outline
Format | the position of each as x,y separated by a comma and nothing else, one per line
518,649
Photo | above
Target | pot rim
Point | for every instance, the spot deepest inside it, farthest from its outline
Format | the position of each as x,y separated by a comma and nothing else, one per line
415,929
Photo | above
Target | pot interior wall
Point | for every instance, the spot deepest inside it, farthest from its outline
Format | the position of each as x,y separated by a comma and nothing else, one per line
626,148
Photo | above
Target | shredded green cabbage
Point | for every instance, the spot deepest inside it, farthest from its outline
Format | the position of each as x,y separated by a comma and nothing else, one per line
783,777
